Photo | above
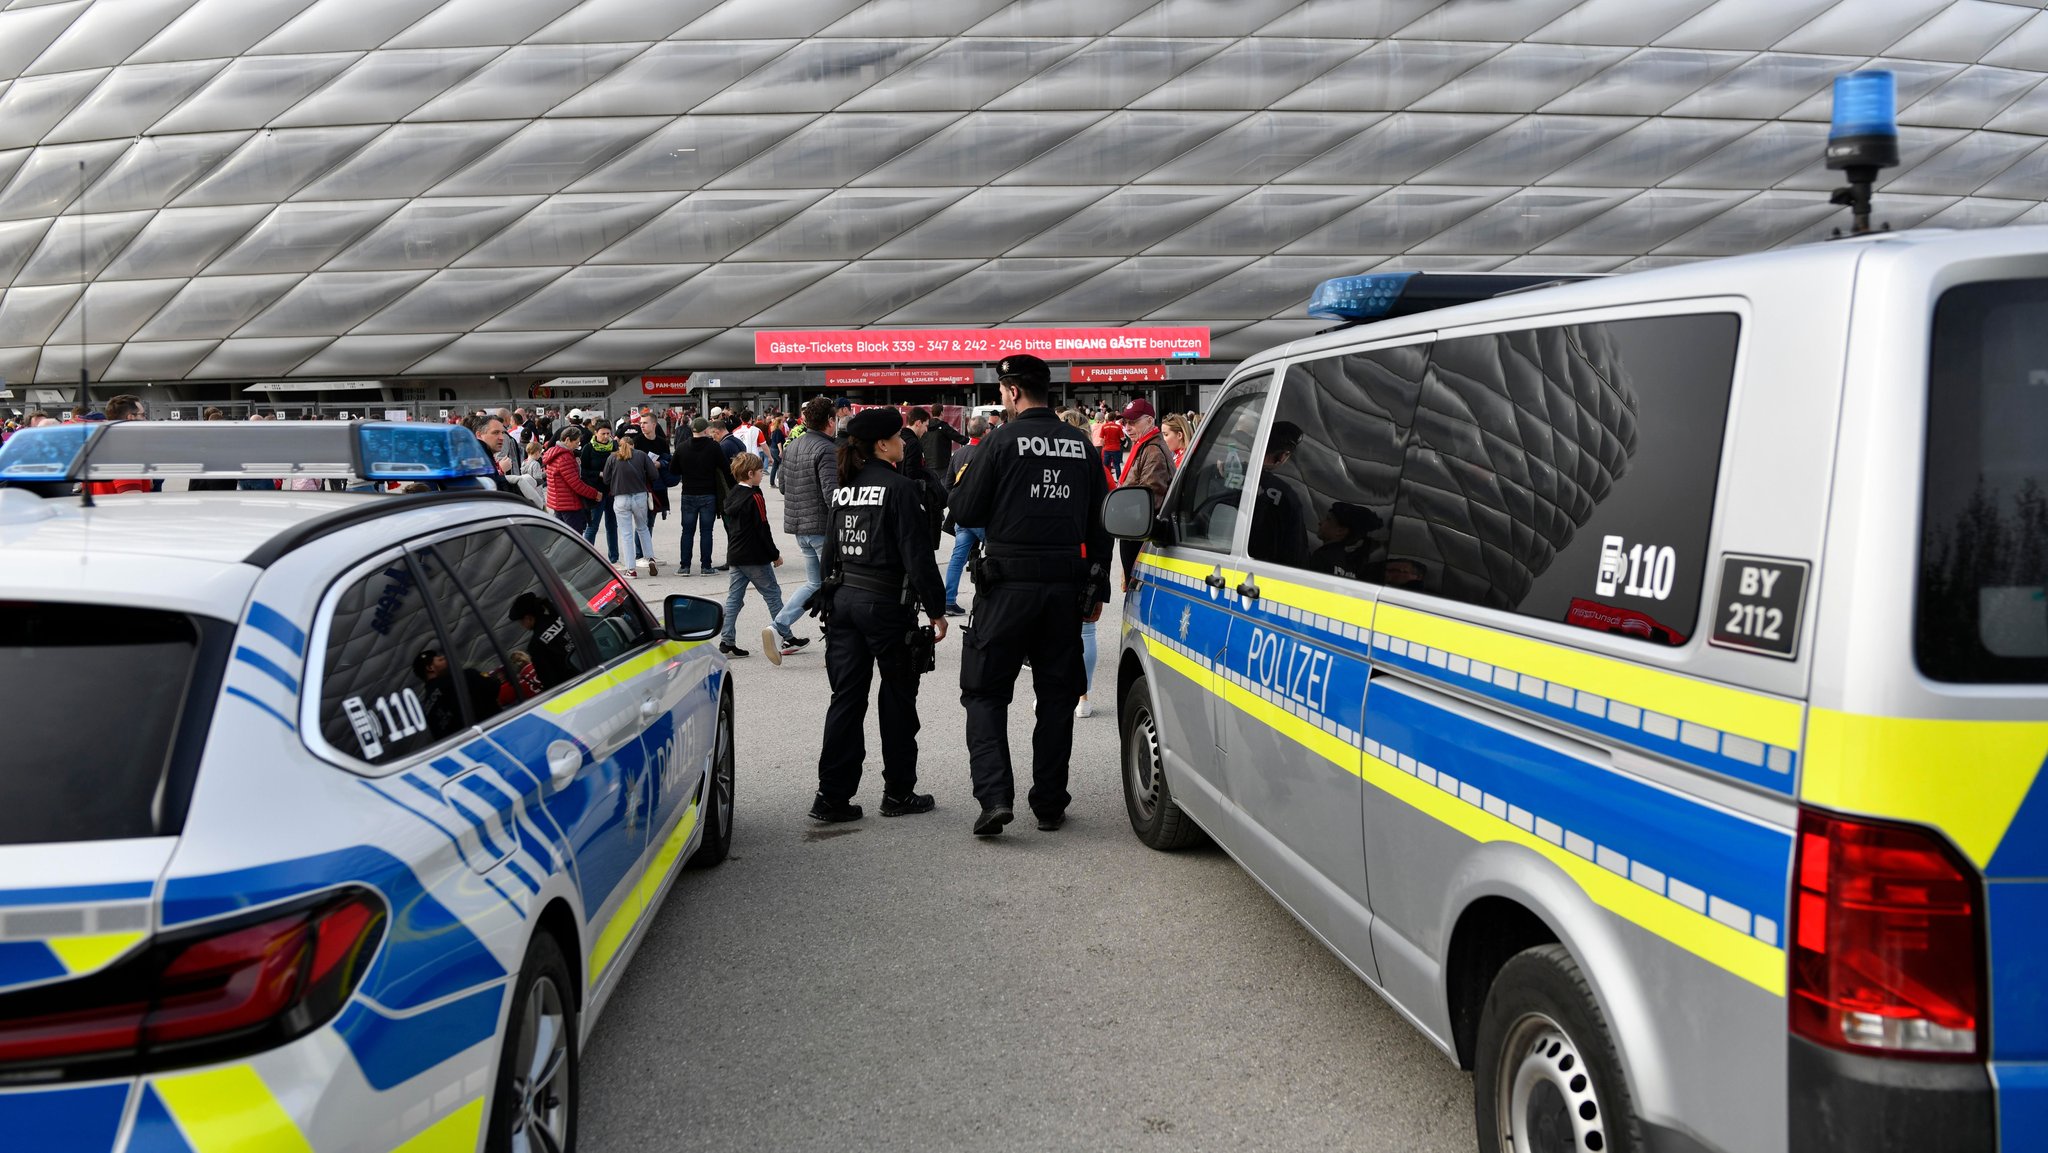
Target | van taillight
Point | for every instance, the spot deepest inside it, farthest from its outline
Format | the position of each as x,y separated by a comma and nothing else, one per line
1887,940
218,992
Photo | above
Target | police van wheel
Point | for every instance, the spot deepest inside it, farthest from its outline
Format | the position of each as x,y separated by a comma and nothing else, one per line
534,1108
1547,1077
1158,821
718,794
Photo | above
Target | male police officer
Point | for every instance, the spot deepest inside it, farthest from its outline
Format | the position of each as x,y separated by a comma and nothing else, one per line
879,570
1036,487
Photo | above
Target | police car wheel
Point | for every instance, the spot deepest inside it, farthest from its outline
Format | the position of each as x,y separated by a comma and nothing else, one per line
718,793
1157,820
1547,1077
534,1108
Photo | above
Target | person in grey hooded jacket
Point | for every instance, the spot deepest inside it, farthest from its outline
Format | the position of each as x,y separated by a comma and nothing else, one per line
810,471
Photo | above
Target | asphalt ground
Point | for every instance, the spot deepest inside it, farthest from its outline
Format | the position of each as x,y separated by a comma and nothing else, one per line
902,984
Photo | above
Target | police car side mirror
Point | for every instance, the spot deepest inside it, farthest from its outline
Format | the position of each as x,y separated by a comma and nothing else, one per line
693,618
1127,513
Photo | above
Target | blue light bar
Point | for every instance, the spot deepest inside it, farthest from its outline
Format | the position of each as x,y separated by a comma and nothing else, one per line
44,454
1866,104
420,452
1358,297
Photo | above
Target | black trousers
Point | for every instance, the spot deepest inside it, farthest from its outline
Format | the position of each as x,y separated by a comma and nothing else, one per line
868,633
1013,622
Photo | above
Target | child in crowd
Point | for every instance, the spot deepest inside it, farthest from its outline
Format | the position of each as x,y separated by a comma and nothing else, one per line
751,551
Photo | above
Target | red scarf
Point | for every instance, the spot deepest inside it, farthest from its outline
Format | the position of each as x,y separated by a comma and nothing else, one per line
1131,455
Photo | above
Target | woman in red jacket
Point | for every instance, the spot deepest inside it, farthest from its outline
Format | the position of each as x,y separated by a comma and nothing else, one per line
566,488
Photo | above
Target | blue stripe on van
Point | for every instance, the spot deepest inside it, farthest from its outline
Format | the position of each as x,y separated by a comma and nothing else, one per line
394,1050
77,894
267,667
65,1120
1714,851
2019,971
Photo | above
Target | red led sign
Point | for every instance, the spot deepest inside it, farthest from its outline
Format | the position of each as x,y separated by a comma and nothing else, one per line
953,345
665,385
899,377
1117,373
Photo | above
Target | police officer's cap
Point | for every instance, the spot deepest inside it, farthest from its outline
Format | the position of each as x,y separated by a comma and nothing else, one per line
530,605
872,424
1026,368
1286,434
1356,517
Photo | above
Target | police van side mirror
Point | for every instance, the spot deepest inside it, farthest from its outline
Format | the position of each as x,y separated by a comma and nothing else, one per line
1127,513
693,618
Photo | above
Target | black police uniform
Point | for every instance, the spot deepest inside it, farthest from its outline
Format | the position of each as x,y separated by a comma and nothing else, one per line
880,546
1037,487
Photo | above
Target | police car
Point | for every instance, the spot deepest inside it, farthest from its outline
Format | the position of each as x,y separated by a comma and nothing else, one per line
328,821
1642,684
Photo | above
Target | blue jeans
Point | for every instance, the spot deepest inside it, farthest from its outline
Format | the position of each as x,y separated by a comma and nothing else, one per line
1087,655
813,548
602,514
632,507
762,577
697,514
964,540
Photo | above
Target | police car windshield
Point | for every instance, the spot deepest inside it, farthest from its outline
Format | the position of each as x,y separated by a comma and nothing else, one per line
1983,598
100,731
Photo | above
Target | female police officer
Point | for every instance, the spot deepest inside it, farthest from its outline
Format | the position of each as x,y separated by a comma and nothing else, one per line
880,572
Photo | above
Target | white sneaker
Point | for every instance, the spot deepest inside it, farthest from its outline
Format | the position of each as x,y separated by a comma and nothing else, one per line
771,643
1084,710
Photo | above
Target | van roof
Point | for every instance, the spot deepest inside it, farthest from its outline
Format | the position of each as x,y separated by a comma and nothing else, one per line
1724,276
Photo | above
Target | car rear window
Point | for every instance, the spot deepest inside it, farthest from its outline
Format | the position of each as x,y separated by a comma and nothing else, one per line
107,709
1983,597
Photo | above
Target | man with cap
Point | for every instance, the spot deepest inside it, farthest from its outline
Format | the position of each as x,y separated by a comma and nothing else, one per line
1146,464
880,579
1036,487
1280,528
1346,532
552,647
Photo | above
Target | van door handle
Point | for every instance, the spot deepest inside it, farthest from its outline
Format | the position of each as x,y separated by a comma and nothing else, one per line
649,709
1215,580
1248,590
564,759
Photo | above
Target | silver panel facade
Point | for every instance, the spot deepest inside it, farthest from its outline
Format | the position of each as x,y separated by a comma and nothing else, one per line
319,188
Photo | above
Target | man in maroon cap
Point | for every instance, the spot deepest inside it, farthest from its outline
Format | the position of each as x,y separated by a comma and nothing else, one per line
1147,464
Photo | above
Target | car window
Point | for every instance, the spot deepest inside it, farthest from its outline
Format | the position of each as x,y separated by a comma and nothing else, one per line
1207,501
381,645
1568,473
617,622
1983,597
1332,462
66,778
479,673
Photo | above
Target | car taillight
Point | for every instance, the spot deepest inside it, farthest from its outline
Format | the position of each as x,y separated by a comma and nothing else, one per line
1887,940
210,994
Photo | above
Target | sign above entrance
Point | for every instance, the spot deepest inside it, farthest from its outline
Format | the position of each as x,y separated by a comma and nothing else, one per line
665,385
899,378
929,345
316,386
1117,373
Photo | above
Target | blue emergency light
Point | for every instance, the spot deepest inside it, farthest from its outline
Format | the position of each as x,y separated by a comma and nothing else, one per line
420,452
1864,132
1367,297
44,454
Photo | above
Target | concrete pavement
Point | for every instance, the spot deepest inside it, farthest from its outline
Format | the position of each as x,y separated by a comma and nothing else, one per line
901,984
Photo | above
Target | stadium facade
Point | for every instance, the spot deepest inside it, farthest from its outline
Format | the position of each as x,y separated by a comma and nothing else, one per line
203,193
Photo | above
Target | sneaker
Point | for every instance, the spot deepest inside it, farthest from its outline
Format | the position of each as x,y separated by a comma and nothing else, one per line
653,567
1047,822
794,641
992,820
732,650
908,805
833,812
775,645
1084,710
954,610
682,572
627,573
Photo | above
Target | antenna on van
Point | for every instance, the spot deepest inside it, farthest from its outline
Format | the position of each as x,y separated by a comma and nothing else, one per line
1863,138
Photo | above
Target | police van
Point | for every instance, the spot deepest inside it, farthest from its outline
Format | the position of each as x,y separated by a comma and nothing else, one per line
328,821
1642,684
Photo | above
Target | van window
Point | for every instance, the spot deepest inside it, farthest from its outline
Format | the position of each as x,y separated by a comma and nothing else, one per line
617,622
1206,501
1568,473
1333,462
1983,596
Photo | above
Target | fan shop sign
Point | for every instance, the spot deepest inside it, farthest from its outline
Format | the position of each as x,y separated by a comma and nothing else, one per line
665,385
899,378
954,345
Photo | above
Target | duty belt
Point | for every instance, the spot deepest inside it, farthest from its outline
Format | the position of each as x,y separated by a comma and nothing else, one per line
1033,569
872,581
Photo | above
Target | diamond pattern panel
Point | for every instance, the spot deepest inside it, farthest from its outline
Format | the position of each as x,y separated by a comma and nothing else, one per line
368,187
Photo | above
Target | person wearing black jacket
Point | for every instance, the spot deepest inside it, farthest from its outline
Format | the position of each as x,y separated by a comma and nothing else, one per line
880,578
939,439
751,553
1037,487
700,468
